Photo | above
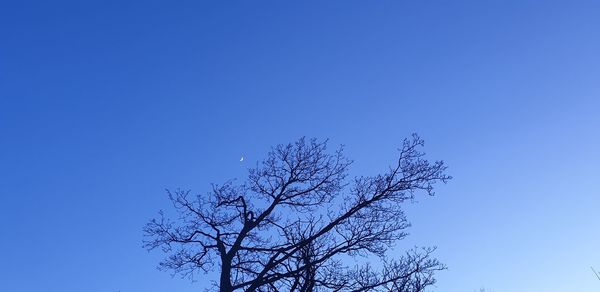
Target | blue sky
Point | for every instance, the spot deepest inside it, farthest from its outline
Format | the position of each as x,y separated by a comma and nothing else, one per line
104,104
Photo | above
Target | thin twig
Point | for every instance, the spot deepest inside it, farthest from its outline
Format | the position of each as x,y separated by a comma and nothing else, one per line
598,276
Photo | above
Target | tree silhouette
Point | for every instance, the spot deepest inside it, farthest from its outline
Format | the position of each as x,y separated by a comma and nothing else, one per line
296,222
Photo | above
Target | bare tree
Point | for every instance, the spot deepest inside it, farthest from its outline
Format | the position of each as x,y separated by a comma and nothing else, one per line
297,220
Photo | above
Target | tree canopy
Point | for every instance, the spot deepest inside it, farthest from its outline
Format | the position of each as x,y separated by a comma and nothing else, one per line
296,221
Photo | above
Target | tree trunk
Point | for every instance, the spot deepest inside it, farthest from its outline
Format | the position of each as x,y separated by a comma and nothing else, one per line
225,281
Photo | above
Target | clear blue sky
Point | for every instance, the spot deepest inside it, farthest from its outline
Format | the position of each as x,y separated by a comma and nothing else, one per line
103,104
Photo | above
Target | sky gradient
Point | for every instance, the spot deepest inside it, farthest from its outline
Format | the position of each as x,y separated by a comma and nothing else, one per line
104,104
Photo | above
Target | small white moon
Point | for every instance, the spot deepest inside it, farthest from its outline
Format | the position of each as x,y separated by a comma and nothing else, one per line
242,159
